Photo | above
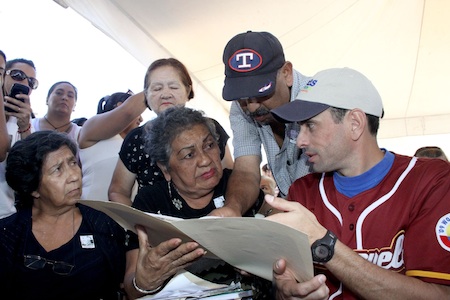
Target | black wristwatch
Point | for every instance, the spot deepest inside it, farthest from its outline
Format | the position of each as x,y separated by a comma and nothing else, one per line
323,249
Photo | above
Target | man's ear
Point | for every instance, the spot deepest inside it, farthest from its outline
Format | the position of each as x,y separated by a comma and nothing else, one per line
287,73
165,171
358,123
35,194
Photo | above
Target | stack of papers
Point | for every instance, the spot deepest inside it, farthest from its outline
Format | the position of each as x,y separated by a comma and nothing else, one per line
185,285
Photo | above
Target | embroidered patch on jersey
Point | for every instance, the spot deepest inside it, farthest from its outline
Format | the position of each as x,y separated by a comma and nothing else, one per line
443,232
87,241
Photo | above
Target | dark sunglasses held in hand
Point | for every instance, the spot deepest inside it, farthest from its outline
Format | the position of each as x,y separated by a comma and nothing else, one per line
19,75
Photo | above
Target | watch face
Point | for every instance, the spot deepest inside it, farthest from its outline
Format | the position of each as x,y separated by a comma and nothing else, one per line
321,251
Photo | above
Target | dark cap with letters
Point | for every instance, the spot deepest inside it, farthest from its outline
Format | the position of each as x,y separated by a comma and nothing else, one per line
252,60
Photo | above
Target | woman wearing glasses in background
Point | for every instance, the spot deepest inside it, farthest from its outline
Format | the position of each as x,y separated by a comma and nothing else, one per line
22,73
54,248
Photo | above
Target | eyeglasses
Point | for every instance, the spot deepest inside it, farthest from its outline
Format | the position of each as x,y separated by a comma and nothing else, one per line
19,75
36,262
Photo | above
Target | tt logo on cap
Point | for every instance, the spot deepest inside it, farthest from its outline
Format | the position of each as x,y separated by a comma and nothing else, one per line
245,60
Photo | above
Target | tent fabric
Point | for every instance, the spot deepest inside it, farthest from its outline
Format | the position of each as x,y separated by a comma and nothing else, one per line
403,46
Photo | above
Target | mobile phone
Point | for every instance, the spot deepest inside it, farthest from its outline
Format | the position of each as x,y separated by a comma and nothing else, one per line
17,89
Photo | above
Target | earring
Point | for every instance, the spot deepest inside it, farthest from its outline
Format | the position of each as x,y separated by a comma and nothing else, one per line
170,190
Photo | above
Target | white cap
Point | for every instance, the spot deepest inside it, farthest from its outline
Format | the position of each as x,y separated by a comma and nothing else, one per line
340,87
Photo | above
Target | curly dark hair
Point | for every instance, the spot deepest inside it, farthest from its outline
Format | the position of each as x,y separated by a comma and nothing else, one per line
161,131
25,160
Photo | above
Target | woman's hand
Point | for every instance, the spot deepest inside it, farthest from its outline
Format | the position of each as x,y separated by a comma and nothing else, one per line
22,110
157,264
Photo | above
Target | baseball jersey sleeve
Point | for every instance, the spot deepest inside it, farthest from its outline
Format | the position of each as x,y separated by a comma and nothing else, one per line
427,240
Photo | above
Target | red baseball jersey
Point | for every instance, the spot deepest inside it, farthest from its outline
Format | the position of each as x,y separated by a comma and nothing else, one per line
402,224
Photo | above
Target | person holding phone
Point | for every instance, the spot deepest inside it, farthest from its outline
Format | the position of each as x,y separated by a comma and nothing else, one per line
18,119
16,90
17,109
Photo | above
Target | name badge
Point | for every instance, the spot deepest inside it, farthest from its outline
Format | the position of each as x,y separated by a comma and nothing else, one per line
219,201
87,241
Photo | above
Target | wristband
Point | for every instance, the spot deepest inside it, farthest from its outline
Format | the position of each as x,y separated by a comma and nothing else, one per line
147,292
25,130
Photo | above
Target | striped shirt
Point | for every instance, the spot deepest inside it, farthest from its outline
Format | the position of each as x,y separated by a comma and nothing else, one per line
287,163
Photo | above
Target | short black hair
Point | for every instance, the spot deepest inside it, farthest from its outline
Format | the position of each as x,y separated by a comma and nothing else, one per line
12,62
109,102
431,152
3,55
53,87
25,160
373,122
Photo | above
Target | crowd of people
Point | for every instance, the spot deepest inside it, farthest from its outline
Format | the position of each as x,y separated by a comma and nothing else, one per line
377,222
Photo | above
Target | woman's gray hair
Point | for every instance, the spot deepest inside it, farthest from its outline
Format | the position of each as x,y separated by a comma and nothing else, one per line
161,131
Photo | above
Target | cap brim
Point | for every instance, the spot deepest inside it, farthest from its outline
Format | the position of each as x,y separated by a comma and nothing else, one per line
298,111
236,88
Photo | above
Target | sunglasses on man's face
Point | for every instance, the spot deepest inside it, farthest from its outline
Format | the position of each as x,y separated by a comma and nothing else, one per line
19,75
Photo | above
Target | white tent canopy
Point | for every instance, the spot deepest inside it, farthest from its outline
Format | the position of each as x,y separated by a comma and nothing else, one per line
403,46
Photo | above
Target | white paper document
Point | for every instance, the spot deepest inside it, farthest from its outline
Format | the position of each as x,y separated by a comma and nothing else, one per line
249,244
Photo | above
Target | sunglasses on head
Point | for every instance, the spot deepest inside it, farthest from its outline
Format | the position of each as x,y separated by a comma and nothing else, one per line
19,75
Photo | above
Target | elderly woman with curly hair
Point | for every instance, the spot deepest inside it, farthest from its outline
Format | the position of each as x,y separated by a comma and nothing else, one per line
184,145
